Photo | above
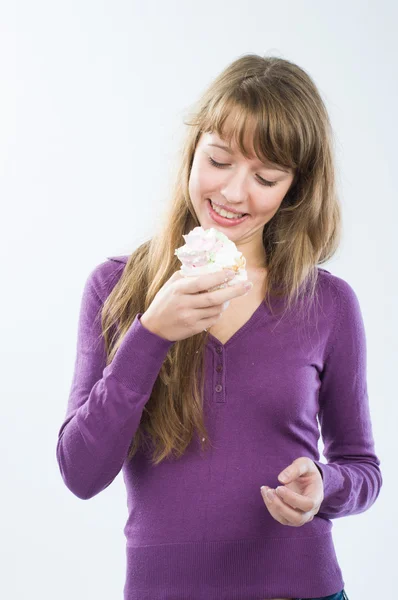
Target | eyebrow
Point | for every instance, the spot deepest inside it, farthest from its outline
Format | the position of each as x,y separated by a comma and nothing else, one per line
230,151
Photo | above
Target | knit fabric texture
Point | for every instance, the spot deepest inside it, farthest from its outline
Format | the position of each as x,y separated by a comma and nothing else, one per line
197,527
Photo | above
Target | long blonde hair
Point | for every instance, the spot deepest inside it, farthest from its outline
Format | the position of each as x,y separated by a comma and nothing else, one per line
292,129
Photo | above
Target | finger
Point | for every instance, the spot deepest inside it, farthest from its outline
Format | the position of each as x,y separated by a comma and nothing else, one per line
216,297
283,513
175,277
201,283
299,467
294,500
278,509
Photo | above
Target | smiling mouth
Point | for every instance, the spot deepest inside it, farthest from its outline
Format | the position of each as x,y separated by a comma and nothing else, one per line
226,210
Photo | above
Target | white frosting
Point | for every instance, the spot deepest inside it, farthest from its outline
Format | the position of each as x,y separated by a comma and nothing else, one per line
209,251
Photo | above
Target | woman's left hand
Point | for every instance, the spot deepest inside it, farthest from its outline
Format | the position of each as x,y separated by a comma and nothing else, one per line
299,500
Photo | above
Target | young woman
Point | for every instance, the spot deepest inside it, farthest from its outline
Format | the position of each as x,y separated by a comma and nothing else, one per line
201,406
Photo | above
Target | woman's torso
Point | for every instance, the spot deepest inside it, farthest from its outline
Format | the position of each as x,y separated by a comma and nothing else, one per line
238,312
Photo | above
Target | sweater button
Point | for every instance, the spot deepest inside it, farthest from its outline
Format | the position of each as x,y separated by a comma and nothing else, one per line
218,368
218,387
219,349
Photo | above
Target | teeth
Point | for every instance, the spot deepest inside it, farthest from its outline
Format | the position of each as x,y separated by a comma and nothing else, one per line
225,213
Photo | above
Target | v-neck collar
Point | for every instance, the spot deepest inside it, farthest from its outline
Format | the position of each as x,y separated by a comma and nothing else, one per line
260,312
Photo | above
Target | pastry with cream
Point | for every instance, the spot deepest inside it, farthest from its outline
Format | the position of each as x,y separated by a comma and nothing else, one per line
208,251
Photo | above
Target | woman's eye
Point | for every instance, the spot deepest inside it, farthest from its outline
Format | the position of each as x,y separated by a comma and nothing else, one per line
260,179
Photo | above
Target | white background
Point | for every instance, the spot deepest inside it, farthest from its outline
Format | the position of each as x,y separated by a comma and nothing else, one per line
92,101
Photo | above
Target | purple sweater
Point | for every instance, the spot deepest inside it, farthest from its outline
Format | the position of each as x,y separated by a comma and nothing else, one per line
197,527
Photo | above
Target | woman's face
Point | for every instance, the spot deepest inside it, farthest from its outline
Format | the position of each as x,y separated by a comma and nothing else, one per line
244,184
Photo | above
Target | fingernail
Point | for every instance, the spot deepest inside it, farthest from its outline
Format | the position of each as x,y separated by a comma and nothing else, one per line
283,477
229,273
270,495
248,285
267,493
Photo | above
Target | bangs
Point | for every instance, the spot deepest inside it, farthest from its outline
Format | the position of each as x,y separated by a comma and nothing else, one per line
259,131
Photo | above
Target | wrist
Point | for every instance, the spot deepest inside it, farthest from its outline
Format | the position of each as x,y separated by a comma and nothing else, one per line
145,322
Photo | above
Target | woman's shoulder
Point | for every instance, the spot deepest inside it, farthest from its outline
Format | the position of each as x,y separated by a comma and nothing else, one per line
104,276
119,259
340,286
338,291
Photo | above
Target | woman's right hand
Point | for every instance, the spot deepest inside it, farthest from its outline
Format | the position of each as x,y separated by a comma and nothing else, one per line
184,306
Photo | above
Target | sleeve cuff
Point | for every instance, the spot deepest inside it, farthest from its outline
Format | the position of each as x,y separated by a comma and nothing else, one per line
333,487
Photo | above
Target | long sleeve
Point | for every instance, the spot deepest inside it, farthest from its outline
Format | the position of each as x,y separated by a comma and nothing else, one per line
352,477
105,402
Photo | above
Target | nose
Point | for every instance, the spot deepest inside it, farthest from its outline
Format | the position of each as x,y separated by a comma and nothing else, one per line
234,188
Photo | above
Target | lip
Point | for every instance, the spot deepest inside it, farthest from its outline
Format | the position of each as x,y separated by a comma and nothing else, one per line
232,210
224,221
